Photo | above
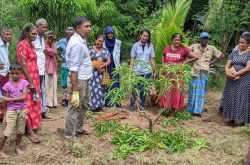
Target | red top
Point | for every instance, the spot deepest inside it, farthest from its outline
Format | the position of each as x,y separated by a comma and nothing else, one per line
50,63
175,56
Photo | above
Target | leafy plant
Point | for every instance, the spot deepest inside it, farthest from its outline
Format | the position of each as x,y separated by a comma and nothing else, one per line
169,77
179,116
200,144
103,127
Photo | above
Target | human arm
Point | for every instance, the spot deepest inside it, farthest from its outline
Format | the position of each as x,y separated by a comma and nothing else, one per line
16,99
243,71
27,75
217,59
191,57
227,69
217,54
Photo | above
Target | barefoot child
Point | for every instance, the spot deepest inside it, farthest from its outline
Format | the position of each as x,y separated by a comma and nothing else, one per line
16,90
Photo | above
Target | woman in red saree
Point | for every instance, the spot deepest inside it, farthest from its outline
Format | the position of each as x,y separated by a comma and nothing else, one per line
176,53
28,59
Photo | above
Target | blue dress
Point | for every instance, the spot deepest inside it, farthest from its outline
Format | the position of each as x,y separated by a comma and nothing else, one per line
236,104
97,91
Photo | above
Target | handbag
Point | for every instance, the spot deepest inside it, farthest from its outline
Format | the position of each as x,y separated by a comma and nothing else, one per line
105,77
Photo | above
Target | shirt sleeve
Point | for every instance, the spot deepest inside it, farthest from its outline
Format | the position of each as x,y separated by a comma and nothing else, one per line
231,55
6,87
133,51
22,51
74,57
217,53
58,44
191,48
25,83
187,51
152,52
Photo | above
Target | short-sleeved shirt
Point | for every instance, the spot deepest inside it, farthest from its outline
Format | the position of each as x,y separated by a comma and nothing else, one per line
78,58
205,56
62,45
4,57
142,52
15,91
39,44
175,56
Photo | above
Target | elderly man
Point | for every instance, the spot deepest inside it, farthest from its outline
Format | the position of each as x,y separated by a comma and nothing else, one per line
207,54
79,64
5,38
61,45
39,44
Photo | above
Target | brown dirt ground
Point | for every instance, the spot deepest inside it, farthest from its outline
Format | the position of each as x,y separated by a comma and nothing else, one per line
227,145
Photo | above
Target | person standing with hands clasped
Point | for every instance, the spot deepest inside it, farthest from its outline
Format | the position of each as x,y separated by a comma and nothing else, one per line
80,67
15,94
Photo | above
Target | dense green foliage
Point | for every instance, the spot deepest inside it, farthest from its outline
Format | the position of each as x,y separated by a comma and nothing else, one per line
224,19
131,140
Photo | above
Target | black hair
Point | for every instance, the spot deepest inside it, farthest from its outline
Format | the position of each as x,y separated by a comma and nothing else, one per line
15,66
246,37
99,36
79,21
175,35
25,30
149,35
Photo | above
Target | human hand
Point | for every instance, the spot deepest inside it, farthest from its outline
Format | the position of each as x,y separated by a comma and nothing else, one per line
74,100
154,75
32,87
6,99
100,69
230,75
1,66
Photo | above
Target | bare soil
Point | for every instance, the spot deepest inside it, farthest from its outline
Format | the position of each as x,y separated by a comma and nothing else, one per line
227,145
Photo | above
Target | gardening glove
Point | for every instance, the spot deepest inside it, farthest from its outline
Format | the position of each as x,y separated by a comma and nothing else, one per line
75,99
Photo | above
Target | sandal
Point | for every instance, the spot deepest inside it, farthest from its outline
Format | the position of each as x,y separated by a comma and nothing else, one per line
34,139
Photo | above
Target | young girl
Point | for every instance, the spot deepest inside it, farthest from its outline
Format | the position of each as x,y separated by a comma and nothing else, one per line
16,91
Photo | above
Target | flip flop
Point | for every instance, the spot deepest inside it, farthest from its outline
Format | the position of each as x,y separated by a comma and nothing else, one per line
34,139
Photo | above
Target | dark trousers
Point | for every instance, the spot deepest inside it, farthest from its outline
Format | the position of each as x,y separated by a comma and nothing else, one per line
142,93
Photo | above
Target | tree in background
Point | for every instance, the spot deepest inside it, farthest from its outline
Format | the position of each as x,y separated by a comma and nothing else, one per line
225,18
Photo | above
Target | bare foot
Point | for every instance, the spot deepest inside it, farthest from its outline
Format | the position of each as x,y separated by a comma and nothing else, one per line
3,155
18,151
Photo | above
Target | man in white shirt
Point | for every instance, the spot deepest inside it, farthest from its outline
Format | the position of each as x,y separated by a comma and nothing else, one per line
79,64
39,44
5,38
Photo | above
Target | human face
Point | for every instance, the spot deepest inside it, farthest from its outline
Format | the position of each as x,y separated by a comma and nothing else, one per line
15,74
84,29
99,42
31,36
243,45
41,29
6,36
204,41
69,34
144,37
110,35
176,41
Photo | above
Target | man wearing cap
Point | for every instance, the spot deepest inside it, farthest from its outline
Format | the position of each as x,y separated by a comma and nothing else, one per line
207,54
61,46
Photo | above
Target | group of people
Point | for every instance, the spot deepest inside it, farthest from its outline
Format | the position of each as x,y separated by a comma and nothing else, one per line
30,85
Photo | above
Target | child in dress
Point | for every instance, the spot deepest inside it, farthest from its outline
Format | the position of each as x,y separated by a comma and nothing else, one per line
16,90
